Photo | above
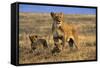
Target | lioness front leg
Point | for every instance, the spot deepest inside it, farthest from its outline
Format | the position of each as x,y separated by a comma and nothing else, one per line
63,42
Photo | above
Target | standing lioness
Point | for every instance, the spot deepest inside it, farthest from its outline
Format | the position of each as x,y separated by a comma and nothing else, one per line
63,31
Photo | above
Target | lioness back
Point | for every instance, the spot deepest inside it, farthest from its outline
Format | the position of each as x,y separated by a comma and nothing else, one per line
70,31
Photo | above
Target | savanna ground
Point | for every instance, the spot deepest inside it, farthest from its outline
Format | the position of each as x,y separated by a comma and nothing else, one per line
41,23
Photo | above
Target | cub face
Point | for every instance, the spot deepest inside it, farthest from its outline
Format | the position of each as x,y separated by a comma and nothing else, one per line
33,38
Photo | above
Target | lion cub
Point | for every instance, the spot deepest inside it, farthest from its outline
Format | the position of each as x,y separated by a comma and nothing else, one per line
37,42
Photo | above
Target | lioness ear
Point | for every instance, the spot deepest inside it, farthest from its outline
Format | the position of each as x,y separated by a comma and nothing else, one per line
61,14
52,14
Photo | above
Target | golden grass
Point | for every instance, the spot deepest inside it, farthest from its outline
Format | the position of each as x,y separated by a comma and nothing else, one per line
86,51
30,23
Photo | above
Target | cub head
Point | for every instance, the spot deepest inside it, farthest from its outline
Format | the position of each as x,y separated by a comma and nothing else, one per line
57,18
33,38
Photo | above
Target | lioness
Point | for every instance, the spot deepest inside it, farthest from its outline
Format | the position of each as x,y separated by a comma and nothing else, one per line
63,31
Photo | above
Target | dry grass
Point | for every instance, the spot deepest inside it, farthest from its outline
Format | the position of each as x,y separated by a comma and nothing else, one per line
40,24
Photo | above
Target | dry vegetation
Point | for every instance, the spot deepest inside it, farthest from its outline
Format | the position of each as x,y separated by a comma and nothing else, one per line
40,24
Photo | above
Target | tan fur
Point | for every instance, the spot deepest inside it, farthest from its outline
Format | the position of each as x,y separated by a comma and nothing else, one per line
68,30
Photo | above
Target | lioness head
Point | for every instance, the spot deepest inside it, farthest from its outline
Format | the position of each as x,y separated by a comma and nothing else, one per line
57,18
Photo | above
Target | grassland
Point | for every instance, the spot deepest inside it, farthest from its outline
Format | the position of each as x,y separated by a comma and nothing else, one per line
41,23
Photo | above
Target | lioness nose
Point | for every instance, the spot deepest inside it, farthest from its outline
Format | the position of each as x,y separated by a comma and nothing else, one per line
58,21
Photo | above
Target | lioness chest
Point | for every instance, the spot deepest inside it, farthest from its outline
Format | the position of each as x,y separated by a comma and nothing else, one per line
57,32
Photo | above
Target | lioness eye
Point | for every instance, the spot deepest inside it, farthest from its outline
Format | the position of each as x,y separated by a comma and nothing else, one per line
60,17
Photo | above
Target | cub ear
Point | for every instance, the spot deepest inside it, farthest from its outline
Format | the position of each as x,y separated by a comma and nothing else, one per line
52,14
30,37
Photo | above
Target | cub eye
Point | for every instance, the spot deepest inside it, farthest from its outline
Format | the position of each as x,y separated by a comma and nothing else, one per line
36,36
